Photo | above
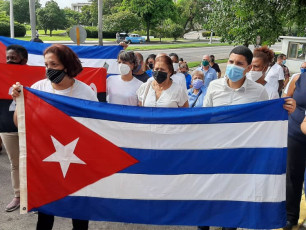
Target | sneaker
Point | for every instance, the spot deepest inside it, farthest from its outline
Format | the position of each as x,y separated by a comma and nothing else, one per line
15,203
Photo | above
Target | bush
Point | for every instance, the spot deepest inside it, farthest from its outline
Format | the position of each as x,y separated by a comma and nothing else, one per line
19,29
206,34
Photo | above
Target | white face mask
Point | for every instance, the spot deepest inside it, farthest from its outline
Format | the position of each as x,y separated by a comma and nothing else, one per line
254,75
124,69
175,66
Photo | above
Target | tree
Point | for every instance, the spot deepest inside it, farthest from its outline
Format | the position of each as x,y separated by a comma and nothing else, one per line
51,17
122,21
86,16
295,19
151,12
109,7
72,17
241,21
193,13
21,10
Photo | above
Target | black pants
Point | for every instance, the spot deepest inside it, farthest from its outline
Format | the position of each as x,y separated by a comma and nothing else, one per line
45,222
207,228
294,178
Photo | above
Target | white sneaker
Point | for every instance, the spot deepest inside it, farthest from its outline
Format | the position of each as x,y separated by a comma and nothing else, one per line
15,204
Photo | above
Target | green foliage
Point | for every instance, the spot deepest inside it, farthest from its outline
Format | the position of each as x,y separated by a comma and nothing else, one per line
241,21
122,21
51,17
206,34
21,10
176,31
193,13
92,31
151,12
86,18
19,29
71,17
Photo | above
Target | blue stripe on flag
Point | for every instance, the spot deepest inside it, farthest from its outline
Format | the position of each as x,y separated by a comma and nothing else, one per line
90,52
172,212
265,111
223,161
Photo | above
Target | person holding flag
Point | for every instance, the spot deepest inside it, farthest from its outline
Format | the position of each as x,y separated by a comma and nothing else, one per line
15,54
62,66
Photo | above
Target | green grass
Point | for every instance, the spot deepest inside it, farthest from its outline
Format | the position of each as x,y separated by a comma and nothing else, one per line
175,46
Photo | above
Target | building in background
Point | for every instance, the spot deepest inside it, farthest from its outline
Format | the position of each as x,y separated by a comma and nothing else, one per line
295,49
78,6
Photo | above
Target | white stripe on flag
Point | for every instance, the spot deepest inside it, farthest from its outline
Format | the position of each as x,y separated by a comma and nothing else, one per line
234,187
196,136
38,60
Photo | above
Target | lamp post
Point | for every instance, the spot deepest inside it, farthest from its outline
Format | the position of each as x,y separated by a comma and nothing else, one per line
12,19
32,18
100,31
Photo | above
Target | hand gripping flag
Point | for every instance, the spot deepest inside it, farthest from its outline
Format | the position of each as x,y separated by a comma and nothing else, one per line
222,166
28,75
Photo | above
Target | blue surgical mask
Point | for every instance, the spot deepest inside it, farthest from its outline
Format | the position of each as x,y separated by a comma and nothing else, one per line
197,83
234,72
284,62
303,70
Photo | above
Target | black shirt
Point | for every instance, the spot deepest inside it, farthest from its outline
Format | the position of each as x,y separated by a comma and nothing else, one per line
142,77
216,67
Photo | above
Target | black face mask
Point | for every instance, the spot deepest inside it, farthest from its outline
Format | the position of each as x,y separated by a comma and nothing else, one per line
160,76
212,60
151,65
55,76
11,62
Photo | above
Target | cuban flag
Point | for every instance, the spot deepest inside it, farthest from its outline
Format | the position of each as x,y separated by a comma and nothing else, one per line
90,56
27,76
222,166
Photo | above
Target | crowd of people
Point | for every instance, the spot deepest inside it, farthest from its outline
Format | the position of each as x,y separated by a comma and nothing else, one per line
163,80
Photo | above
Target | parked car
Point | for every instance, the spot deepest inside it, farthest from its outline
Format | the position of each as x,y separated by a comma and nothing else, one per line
135,38
121,37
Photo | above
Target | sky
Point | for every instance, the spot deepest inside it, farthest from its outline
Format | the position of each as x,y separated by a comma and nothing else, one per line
64,3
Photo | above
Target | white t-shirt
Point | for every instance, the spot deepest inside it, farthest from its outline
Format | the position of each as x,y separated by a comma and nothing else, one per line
173,97
220,94
275,74
122,92
77,90
180,79
272,93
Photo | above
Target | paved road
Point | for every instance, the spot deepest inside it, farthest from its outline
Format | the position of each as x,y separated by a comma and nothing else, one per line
196,54
188,54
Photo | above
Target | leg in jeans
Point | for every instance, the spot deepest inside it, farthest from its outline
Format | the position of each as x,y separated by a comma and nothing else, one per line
79,224
11,143
45,221
294,178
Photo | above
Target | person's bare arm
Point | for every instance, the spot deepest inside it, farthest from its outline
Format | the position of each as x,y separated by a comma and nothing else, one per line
280,85
303,126
291,88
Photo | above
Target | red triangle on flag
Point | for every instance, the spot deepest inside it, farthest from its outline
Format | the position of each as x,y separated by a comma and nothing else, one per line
45,179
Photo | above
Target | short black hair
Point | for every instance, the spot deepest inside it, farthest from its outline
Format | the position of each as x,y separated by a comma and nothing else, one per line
20,50
244,51
174,55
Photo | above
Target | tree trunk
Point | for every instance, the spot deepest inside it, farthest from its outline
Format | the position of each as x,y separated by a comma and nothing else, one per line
246,43
148,31
45,31
50,32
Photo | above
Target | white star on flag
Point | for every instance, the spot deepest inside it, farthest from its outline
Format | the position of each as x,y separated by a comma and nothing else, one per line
64,155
